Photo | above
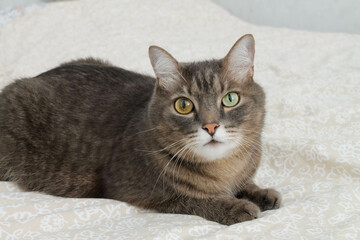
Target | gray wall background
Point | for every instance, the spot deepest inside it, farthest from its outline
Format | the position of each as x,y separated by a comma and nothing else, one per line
14,3
313,15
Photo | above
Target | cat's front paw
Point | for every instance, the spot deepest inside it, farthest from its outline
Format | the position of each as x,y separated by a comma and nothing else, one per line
266,199
243,211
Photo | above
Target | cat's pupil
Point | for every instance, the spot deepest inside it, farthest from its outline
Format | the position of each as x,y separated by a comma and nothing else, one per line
230,97
183,104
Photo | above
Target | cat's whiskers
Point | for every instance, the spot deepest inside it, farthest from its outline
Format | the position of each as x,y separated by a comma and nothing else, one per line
245,137
247,152
179,158
248,144
191,146
148,130
258,144
245,142
251,131
164,169
250,158
179,153
240,184
254,143
161,150
163,172
236,130
193,156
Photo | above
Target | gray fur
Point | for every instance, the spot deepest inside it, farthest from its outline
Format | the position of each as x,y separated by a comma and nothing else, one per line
90,129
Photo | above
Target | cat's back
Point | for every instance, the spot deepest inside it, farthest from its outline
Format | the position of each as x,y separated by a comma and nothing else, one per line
78,96
86,86
93,78
90,75
62,124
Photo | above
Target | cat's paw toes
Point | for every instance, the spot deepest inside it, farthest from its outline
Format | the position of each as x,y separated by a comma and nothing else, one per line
245,211
268,199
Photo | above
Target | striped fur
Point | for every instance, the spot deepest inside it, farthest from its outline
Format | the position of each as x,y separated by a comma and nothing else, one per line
90,129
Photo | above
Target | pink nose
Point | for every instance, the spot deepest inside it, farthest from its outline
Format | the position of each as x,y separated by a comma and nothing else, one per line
210,128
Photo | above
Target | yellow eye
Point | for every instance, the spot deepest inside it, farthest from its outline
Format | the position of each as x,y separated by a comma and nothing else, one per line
230,99
183,105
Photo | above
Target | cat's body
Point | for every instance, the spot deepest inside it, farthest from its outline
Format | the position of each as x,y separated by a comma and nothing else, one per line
89,129
76,116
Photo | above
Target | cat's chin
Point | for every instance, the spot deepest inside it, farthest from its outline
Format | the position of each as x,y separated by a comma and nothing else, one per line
214,150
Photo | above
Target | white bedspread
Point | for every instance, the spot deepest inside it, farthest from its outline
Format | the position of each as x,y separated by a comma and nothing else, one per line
311,138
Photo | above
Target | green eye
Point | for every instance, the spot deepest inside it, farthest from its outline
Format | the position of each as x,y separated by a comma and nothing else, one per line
230,99
183,105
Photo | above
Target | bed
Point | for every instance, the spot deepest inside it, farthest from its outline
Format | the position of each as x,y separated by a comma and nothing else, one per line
311,151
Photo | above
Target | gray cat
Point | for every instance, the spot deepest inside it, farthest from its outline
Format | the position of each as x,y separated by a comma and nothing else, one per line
186,142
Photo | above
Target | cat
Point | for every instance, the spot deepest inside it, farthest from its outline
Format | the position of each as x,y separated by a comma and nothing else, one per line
187,141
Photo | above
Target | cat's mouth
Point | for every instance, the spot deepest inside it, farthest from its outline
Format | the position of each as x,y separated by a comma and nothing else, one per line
213,143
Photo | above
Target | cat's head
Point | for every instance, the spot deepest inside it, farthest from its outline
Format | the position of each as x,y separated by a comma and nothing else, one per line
206,110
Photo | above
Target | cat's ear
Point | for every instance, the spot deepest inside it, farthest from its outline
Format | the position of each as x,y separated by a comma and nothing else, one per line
165,66
239,62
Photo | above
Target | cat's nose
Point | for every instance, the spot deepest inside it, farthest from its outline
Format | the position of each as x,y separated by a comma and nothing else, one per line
210,128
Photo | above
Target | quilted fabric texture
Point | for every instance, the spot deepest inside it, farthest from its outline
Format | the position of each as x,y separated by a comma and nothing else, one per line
311,138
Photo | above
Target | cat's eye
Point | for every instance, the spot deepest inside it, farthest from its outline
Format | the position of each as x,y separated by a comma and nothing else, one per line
230,99
183,105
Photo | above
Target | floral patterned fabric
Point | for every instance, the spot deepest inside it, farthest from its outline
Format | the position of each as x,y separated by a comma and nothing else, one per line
311,138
